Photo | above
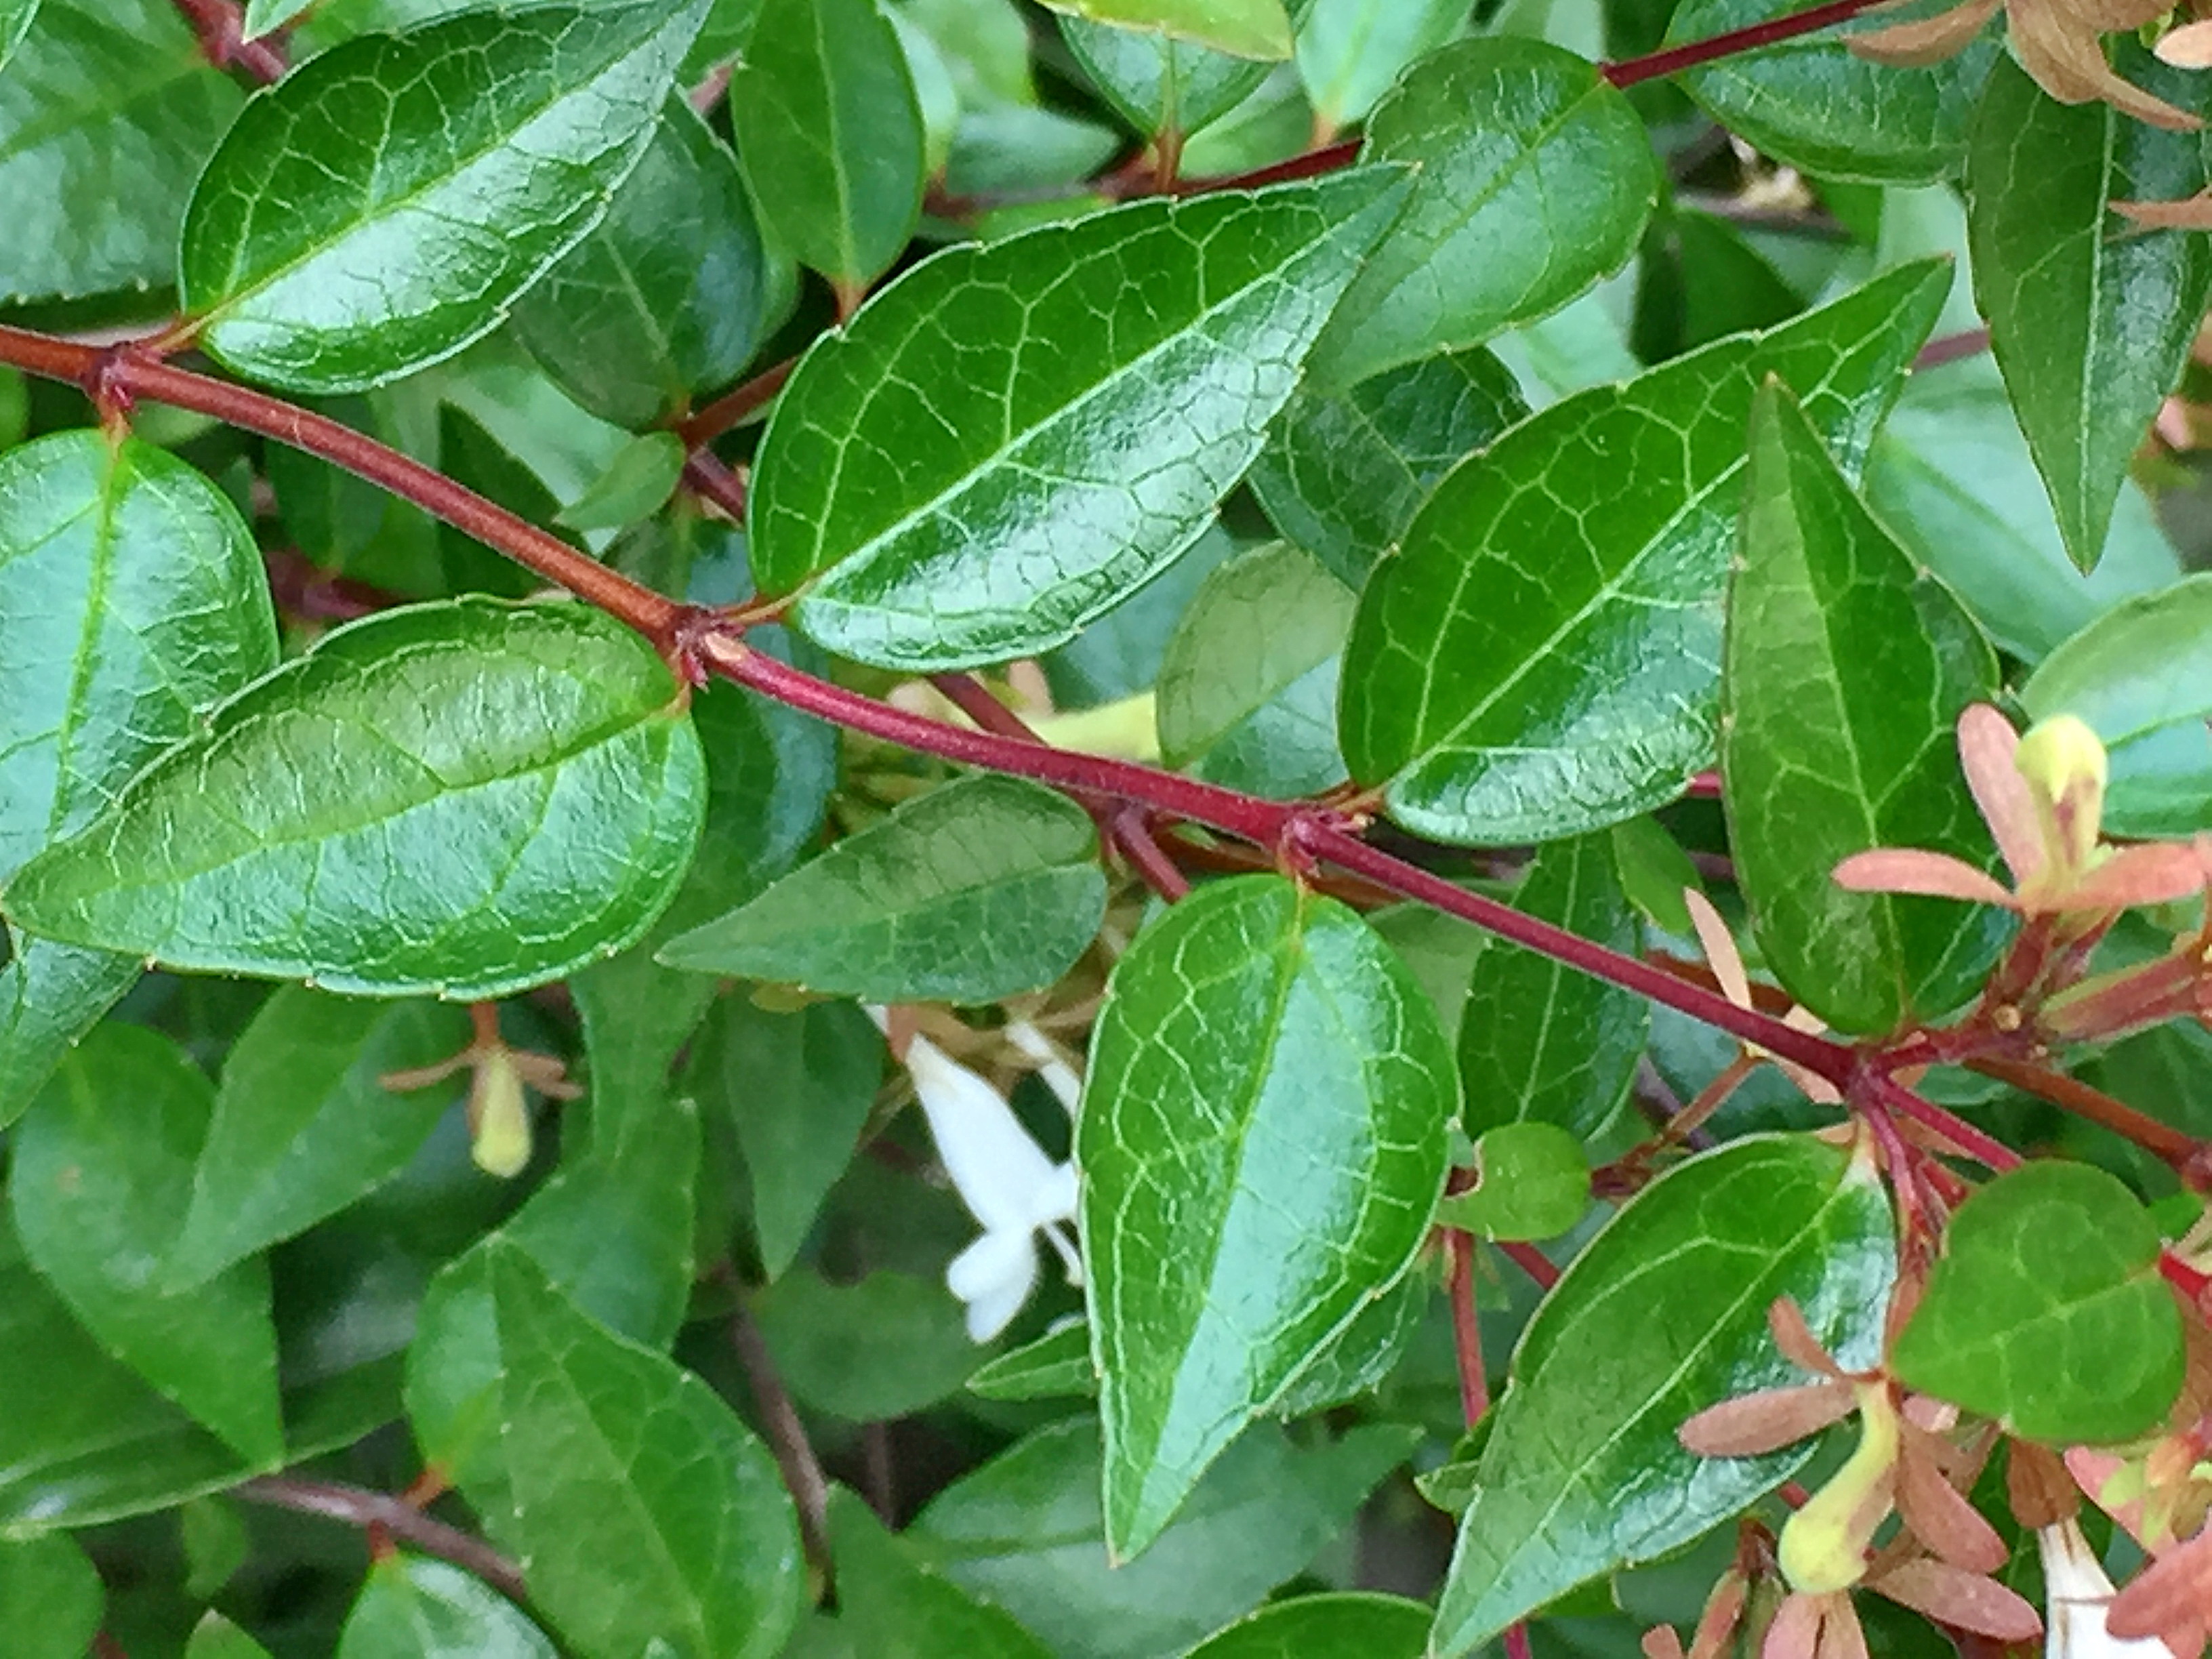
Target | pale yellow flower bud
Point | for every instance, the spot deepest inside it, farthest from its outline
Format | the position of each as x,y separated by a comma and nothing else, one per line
2064,765
499,1120
1823,1545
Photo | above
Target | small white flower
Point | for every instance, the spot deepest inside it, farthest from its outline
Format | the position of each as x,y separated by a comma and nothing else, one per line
2078,1595
1004,1178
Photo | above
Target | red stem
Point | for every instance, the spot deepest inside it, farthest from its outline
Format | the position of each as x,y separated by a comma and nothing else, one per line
733,408
1691,53
1466,1329
711,481
1869,1080
1532,1262
221,26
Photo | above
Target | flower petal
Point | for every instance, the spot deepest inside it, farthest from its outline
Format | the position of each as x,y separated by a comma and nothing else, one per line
1796,1632
994,1276
2067,59
1755,1422
1002,1176
2189,47
1987,748
1965,1601
1911,870
1662,1642
1785,1321
2170,1591
2154,872
1927,39
1940,1517
1719,946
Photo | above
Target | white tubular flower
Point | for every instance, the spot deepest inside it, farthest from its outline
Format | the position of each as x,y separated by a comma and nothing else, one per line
2078,1595
1004,1178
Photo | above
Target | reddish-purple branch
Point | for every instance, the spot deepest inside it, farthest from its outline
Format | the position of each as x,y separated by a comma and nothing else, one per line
221,26
1691,53
357,1506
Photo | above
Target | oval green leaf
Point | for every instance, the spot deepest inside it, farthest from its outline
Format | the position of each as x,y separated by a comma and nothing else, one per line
1345,1626
1663,1313
887,1604
1263,1141
383,205
1157,84
1056,1365
50,1597
1242,28
462,798
1846,668
1053,453
414,1608
1532,179
1351,51
1529,667
2047,1311
981,889
215,1637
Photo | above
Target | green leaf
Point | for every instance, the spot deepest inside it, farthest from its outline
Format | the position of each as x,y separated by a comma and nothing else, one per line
1024,1532
643,1507
1538,1041
666,299
1342,1627
102,1174
383,205
1157,84
1055,1365
1363,1352
463,799
891,1606
1240,29
2090,318
1349,51
1953,479
414,1608
873,1351
1532,179
302,1127
1532,1181
1530,667
2142,677
1663,1313
51,1598
830,136
1342,475
636,485
1263,1139
215,1637
2047,1311
986,888
797,1088
1811,102
1248,687
108,109
1033,488
1846,668
216,1543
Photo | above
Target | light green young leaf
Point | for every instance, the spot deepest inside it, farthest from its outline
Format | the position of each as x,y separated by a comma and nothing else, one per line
2047,1311
50,1597
1241,29
1533,178
215,1637
262,15
102,101
462,798
2141,675
1846,668
1341,1626
883,1348
893,1606
1349,51
414,1608
1527,668
1662,1314
636,485
325,253
1056,1365
830,136
1532,1181
986,888
1159,84
1016,493
102,1177
1263,1139
2090,318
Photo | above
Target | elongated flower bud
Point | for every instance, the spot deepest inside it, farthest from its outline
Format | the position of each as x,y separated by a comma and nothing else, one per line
1823,1547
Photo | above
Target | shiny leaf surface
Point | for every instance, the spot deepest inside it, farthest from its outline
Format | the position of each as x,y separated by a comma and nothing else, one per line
870,1352
1349,51
954,514
1504,695
1159,84
1663,1313
414,1608
460,798
1261,1143
1242,28
1343,1626
1055,1365
384,205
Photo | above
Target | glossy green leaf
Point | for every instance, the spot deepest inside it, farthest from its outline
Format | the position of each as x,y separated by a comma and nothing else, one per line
415,1607
796,1088
1263,1139
1241,29
216,1543
463,799
1056,1365
2047,1311
1534,179
1538,1041
960,496
891,1604
1349,51
1248,687
830,136
666,299
302,1127
1663,1313
215,1637
105,104
644,1508
2090,318
983,889
880,1349
1951,478
1846,668
51,1598
384,205
2142,675
1365,1352
1528,668
1343,1626
131,598
1342,475
1024,1532
1532,1181
1156,83
636,485
102,1174
1809,101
